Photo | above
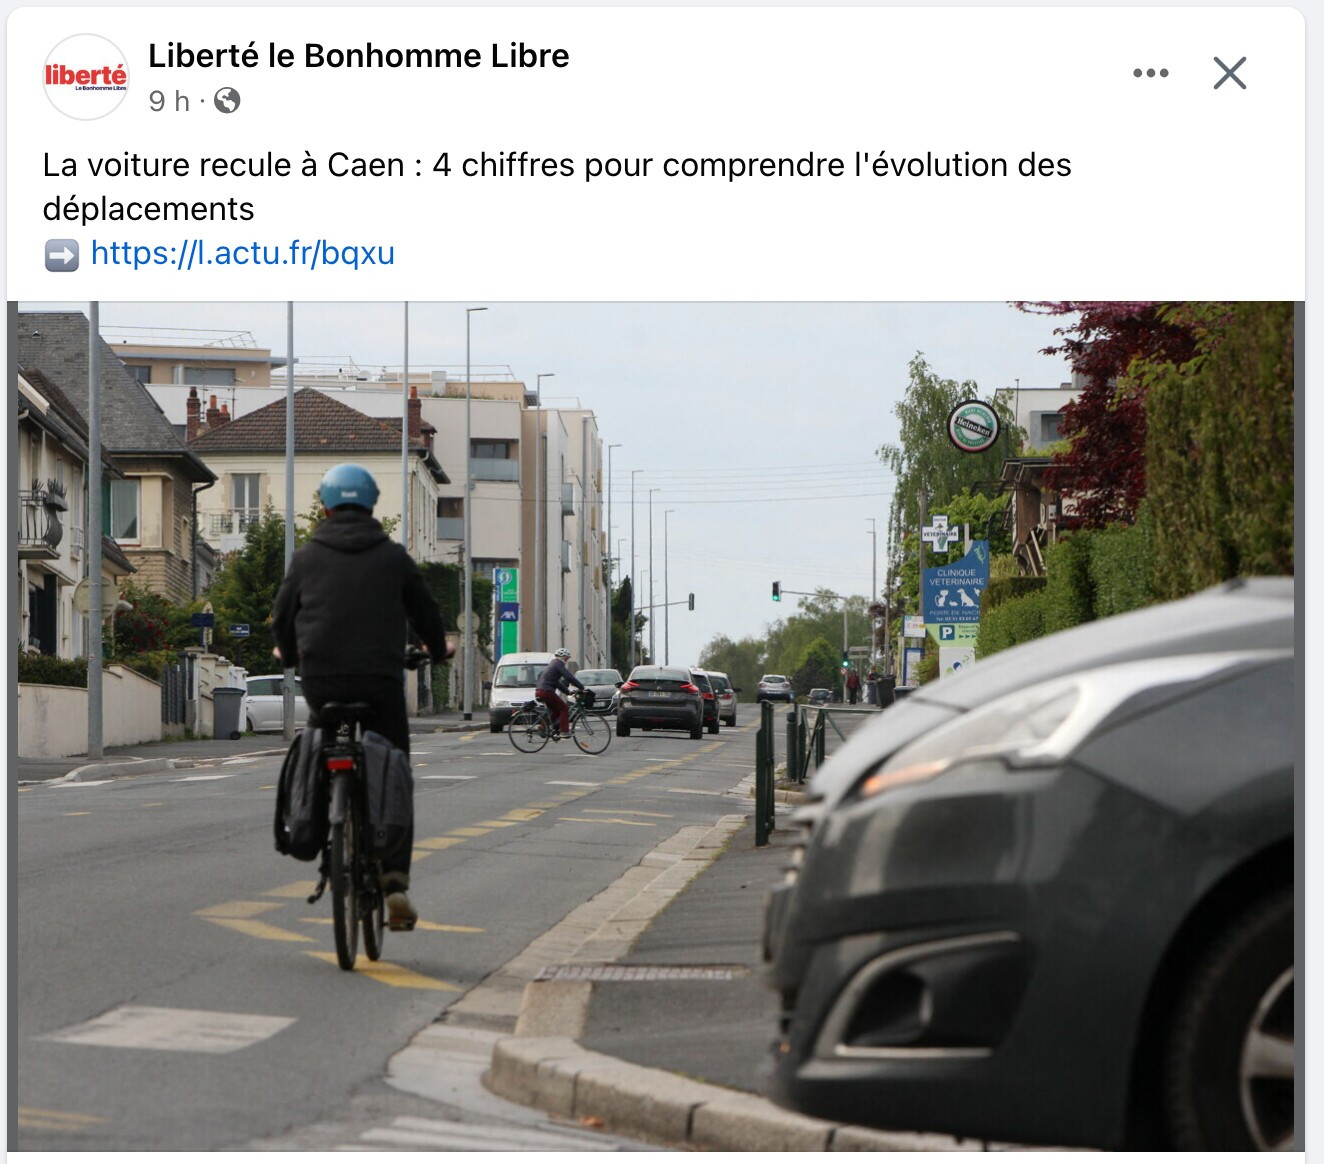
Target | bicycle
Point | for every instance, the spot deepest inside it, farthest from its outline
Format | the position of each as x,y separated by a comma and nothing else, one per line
354,877
532,726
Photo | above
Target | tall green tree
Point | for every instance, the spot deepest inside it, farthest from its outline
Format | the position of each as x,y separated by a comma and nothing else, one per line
244,591
740,661
819,665
622,597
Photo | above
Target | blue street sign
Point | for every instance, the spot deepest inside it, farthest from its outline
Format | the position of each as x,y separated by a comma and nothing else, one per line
951,593
239,630
205,618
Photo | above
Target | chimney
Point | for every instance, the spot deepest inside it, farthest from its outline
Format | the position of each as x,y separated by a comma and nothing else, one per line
194,415
415,417
224,418
213,413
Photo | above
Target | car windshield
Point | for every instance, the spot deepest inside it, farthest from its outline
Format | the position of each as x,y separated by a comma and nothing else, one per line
774,678
653,674
720,684
593,678
519,675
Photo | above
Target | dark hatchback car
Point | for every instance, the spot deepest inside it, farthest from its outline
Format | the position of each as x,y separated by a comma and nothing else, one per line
1050,900
660,697
712,706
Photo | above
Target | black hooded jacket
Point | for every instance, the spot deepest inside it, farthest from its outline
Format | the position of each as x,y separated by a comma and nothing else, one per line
345,606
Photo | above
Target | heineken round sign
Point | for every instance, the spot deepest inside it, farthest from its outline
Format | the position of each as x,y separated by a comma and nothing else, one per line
973,426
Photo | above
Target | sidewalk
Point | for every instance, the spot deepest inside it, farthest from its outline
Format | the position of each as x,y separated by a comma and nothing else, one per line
164,755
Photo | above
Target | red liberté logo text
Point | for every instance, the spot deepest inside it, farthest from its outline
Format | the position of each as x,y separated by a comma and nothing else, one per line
105,76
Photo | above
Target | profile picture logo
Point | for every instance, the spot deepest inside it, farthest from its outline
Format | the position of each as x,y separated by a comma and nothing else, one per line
86,76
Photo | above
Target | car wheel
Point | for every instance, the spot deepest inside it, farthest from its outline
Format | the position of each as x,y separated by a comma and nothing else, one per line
622,728
1229,1069
714,728
696,732
494,727
251,728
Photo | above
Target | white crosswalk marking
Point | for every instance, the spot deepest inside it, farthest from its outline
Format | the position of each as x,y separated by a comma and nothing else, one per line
445,1135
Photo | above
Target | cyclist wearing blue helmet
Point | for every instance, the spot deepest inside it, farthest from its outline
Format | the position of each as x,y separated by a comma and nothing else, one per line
343,616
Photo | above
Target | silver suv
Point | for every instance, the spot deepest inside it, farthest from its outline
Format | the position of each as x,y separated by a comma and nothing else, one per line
775,687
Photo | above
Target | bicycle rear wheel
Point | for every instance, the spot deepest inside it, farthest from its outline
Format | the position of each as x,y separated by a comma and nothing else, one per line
373,904
529,730
591,732
344,883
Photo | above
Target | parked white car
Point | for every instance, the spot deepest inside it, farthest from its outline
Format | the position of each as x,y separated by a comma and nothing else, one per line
264,705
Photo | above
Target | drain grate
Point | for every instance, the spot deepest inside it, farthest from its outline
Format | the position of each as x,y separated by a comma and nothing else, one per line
610,972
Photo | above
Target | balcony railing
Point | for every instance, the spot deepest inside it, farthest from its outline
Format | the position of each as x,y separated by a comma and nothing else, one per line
492,469
233,521
40,526
450,528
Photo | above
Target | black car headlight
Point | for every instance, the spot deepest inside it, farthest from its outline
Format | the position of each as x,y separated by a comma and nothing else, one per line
1042,725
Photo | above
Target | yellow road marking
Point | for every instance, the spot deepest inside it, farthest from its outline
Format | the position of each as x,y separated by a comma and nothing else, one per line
77,814
437,843
265,787
293,889
436,927
527,813
631,812
639,824
497,824
154,804
469,831
55,1121
257,929
237,909
389,974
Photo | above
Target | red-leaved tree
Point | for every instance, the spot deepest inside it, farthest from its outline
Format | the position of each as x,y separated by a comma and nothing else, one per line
1104,470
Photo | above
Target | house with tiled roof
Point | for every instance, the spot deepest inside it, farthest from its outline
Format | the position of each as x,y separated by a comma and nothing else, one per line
247,454
148,509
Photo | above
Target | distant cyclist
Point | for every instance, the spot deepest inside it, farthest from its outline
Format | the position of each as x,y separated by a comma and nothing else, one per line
342,616
557,678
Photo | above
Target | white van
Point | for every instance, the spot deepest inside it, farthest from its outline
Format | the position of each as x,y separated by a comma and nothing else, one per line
513,684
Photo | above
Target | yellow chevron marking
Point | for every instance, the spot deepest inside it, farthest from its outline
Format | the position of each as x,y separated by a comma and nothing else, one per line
517,814
257,929
237,909
55,1121
469,831
293,889
389,974
639,824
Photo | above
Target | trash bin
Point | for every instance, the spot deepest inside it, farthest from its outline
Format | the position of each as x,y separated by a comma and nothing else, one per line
886,690
227,704
902,692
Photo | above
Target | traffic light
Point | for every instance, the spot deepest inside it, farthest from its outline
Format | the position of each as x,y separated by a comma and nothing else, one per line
845,661
691,601
776,592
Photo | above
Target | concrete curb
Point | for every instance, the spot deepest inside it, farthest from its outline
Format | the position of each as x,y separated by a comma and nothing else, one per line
558,1076
99,769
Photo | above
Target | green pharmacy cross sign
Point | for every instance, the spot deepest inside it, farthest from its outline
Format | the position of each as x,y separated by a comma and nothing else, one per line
938,535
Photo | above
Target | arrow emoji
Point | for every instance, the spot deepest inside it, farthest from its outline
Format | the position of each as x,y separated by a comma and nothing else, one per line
64,255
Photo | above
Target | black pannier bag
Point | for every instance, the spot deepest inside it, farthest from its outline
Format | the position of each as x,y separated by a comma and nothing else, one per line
390,796
301,799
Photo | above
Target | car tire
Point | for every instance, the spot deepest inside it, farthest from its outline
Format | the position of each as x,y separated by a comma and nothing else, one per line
251,728
696,733
622,728
714,727
494,727
1228,1076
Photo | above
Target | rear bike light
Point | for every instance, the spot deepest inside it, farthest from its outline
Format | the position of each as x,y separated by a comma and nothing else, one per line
339,763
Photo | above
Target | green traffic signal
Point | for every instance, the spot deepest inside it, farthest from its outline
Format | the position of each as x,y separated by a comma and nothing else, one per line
776,592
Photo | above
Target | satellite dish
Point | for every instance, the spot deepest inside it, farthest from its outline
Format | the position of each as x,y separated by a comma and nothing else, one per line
110,599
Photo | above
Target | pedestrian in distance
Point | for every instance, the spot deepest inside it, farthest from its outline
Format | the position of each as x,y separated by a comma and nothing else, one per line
852,685
557,677
343,616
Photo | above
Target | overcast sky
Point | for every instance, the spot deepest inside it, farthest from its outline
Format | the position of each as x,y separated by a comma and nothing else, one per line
755,424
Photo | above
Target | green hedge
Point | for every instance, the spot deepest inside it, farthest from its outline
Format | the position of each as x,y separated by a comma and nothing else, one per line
1001,590
1017,620
1069,595
51,670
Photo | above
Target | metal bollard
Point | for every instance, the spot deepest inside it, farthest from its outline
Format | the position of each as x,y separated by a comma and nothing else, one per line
793,756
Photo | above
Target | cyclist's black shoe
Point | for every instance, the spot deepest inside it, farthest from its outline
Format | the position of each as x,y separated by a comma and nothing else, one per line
400,913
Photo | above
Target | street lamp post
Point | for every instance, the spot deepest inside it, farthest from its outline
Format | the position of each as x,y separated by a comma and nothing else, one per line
634,582
652,622
873,585
608,662
666,589
468,521
539,556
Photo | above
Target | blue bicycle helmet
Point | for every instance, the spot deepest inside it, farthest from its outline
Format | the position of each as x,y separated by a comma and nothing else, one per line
348,485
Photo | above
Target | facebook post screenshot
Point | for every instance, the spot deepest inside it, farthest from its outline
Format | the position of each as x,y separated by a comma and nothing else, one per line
377,371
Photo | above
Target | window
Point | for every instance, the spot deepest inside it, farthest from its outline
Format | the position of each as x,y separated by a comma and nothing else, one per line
119,510
140,372
494,460
209,377
450,518
245,499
